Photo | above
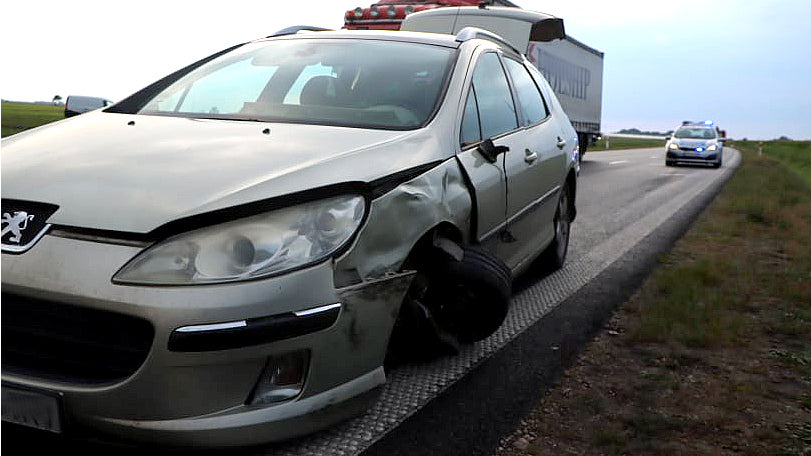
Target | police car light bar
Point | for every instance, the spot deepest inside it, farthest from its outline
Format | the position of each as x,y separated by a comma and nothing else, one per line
689,122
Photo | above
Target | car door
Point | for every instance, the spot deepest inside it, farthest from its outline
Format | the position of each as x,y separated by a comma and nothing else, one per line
535,168
488,114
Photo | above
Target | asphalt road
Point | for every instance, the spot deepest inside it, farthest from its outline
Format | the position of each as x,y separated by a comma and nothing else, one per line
631,208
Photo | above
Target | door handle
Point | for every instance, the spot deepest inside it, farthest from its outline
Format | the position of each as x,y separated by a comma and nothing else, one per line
561,143
530,156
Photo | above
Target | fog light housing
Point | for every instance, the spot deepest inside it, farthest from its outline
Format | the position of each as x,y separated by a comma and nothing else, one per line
282,379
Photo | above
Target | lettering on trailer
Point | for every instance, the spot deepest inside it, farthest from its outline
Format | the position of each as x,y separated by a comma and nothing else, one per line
565,77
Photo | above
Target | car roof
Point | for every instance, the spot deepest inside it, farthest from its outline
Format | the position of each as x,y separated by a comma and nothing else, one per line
436,39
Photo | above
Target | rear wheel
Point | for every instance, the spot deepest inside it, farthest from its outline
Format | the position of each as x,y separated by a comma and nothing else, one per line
555,254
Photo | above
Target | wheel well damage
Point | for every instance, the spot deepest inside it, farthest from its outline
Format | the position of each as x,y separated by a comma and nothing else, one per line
434,204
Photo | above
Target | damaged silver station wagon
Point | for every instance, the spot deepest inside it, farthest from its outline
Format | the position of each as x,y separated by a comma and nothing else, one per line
230,255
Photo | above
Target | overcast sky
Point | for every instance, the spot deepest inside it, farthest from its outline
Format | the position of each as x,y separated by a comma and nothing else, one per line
746,65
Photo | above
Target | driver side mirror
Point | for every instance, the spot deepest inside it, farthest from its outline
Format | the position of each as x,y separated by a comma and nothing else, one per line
722,140
491,151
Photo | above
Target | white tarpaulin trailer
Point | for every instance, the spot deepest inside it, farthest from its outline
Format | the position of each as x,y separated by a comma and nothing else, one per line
574,70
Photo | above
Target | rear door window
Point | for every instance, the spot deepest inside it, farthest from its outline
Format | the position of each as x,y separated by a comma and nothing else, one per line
531,103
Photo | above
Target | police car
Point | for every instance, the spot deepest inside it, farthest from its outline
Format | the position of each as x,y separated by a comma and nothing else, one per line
695,143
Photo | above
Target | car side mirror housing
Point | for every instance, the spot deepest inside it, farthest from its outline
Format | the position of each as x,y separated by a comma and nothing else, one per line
491,151
667,138
722,140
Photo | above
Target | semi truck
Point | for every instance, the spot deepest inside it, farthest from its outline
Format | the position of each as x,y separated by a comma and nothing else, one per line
573,69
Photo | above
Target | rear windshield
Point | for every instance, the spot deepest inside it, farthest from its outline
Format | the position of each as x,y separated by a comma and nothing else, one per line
695,133
358,83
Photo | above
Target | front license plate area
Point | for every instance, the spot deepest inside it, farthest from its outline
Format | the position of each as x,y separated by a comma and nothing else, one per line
32,408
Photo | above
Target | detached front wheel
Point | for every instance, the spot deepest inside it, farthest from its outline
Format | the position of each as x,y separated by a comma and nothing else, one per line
471,297
451,302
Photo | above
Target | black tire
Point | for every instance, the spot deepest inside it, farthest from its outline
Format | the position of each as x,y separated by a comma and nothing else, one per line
451,302
471,297
555,254
583,145
670,163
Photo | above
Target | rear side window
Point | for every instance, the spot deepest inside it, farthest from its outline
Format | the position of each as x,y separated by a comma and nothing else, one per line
495,101
530,101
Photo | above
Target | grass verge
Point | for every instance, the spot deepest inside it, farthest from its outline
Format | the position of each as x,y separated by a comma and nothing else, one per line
625,143
712,355
17,117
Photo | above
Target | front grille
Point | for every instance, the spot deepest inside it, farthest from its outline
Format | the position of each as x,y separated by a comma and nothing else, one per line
71,344
687,148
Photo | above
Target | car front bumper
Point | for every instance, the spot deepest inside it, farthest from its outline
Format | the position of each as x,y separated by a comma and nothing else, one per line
693,157
198,394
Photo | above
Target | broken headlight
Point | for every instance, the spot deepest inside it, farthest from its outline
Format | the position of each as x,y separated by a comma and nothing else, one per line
250,247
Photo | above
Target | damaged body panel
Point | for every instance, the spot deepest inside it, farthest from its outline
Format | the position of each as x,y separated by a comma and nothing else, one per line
401,217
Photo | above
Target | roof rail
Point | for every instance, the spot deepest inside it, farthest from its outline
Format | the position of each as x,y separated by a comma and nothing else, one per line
297,28
469,33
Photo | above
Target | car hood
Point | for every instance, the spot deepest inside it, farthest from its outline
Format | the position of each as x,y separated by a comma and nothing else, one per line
134,173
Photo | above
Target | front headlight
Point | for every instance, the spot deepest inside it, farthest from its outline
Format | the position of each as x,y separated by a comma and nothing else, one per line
251,247
673,146
712,148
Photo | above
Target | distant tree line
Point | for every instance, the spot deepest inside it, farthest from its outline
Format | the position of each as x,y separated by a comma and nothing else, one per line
636,131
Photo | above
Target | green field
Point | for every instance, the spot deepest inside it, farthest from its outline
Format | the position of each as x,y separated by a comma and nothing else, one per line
17,117
796,155
625,143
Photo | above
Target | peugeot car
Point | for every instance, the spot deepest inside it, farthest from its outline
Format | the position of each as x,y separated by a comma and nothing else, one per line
228,256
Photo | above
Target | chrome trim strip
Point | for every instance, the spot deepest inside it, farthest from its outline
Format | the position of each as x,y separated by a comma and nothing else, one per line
213,327
316,310
521,213
23,248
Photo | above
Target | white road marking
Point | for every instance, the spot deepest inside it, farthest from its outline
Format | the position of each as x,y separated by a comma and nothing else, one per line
617,162
673,174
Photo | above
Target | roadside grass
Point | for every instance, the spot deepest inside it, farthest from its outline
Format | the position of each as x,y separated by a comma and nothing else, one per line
17,117
624,143
796,155
712,355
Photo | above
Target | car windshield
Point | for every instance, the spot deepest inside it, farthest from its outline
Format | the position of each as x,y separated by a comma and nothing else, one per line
345,82
695,133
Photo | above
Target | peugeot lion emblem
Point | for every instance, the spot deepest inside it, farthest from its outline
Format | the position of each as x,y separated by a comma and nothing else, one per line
16,224
24,223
